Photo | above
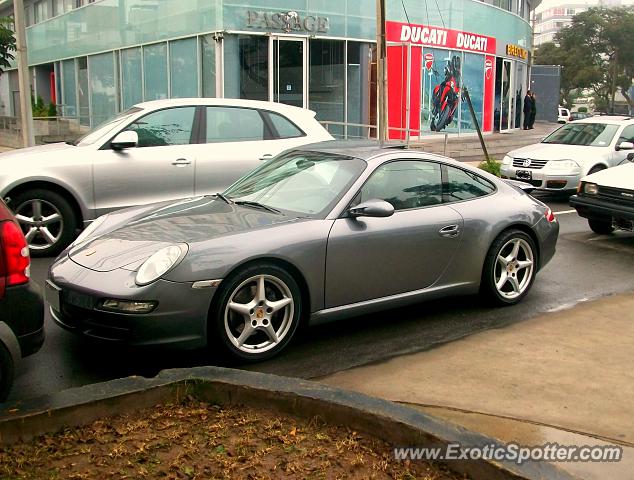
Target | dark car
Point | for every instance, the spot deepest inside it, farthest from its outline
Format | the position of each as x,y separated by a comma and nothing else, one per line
578,116
21,304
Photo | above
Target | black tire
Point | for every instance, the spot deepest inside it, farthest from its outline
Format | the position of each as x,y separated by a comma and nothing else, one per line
602,227
230,289
443,121
492,268
64,232
6,372
595,169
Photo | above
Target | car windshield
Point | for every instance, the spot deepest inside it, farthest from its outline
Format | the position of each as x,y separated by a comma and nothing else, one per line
585,134
106,127
300,183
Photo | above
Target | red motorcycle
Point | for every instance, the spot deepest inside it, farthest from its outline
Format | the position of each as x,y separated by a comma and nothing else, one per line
446,96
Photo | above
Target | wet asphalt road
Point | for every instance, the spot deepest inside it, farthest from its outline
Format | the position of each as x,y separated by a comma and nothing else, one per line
586,266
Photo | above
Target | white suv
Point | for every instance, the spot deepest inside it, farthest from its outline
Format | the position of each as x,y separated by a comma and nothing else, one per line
563,115
574,150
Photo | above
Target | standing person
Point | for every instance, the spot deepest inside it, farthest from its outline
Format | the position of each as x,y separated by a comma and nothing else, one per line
533,111
527,109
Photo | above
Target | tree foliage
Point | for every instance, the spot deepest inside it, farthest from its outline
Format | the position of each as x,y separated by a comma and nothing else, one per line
596,52
7,43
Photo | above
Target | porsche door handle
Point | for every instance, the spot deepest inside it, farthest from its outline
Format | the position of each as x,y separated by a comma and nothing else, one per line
181,162
449,231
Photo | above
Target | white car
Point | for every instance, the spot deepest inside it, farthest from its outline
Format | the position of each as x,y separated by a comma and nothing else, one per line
563,115
154,151
606,199
574,150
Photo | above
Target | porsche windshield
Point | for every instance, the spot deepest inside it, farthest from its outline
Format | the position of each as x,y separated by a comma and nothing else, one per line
585,134
303,183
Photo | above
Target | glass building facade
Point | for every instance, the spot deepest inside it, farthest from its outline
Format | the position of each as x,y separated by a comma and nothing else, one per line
107,55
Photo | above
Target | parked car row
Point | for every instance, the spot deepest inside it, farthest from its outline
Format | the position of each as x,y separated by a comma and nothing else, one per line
231,224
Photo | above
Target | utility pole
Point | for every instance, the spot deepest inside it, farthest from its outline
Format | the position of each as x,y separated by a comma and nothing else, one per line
24,80
381,53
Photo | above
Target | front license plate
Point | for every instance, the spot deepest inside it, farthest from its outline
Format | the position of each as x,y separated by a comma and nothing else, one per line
52,293
524,175
78,300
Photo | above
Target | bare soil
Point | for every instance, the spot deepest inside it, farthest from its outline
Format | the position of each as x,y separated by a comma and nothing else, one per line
198,440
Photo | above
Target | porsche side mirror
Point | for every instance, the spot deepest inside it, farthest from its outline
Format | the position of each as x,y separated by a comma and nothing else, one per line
372,208
125,139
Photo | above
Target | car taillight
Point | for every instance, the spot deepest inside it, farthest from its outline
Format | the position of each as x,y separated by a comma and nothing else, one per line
570,119
15,252
550,216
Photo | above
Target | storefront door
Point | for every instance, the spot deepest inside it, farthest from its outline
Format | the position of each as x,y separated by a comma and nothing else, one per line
288,79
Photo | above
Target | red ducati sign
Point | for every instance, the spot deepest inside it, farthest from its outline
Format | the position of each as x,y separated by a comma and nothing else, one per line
488,68
429,61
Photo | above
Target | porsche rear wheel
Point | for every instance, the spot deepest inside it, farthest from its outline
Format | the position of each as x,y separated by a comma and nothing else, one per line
510,268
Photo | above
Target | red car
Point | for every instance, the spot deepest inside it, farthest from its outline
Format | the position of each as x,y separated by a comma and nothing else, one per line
21,304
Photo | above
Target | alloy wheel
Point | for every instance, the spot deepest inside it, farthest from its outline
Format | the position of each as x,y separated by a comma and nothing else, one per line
514,268
41,222
259,314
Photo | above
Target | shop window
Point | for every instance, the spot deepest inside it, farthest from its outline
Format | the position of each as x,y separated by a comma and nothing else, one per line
184,68
103,87
131,77
441,68
327,82
155,71
359,97
247,67
227,124
69,89
462,185
172,126
208,65
473,79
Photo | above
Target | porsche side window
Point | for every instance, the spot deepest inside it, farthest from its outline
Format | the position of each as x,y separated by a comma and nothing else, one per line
405,184
463,185
172,126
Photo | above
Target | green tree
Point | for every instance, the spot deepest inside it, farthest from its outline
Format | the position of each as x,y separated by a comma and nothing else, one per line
7,43
596,52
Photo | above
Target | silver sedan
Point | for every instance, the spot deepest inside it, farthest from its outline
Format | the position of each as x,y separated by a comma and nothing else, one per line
314,235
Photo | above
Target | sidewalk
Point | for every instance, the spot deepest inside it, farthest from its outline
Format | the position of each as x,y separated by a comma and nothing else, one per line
564,377
5,149
467,148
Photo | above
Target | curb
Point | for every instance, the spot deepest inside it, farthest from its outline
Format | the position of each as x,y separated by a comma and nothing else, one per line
396,424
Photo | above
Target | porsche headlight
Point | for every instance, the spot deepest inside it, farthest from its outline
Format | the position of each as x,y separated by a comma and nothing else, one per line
90,229
563,165
160,263
507,160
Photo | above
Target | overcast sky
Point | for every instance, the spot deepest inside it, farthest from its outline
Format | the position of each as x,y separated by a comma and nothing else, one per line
554,3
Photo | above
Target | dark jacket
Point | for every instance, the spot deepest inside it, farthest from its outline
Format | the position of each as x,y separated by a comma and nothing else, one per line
528,104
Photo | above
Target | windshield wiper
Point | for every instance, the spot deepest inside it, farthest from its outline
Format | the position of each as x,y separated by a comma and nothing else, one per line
223,198
249,203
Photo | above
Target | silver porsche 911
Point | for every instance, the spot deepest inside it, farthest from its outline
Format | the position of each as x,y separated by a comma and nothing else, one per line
316,234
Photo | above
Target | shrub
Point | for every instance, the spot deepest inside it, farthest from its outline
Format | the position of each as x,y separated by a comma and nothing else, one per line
582,109
492,166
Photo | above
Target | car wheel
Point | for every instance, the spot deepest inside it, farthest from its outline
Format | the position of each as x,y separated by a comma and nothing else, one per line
256,313
47,220
602,227
509,268
6,372
595,169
